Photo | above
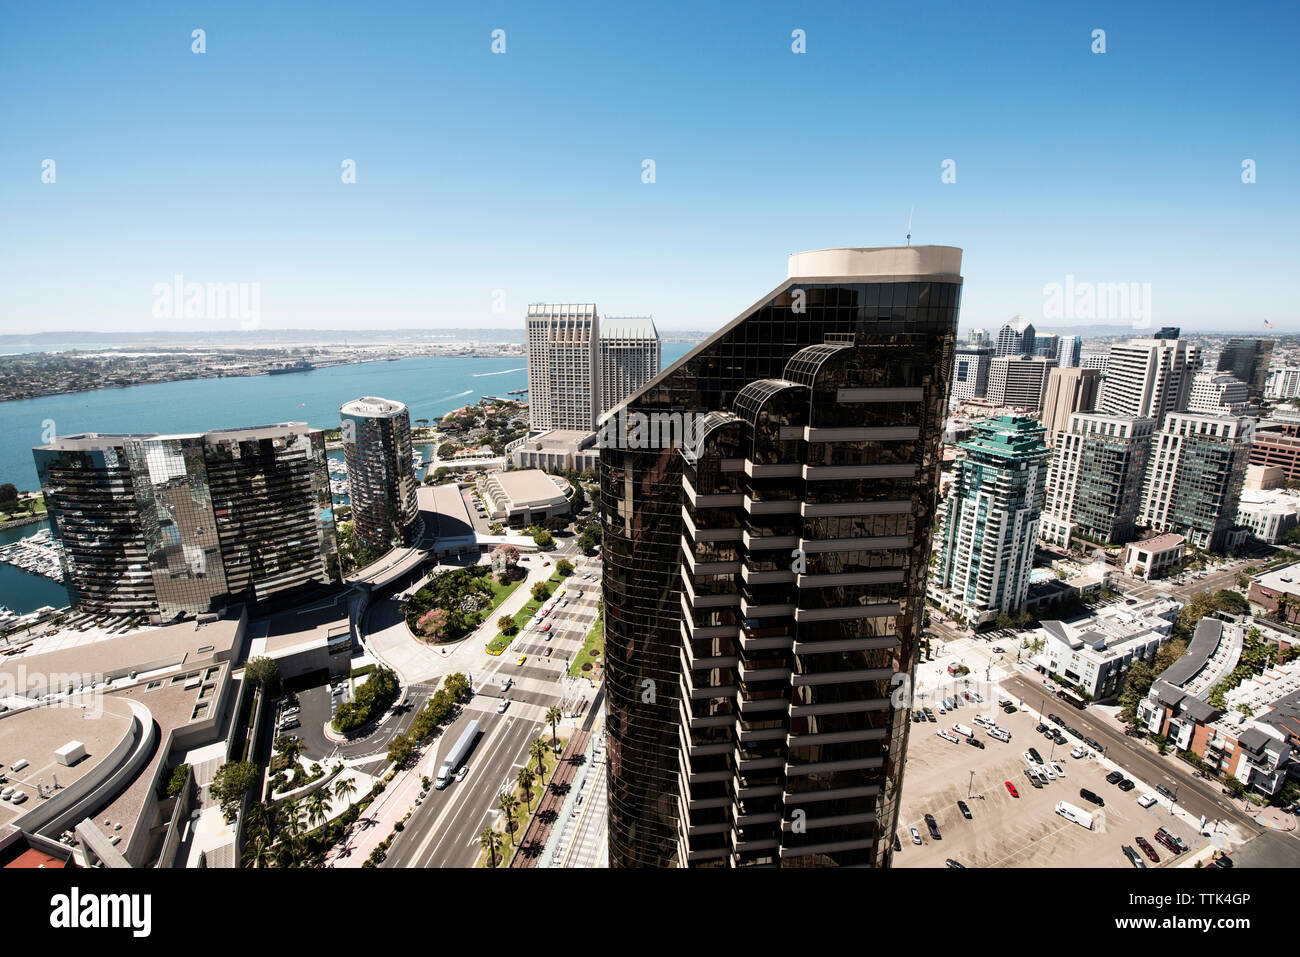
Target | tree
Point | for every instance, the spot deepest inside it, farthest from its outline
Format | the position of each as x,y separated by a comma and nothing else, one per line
345,789
490,840
587,540
400,750
1005,621
564,568
538,750
508,804
553,717
289,747
8,494
525,779
318,807
541,591
262,671
507,625
1137,682
447,450
543,539
231,784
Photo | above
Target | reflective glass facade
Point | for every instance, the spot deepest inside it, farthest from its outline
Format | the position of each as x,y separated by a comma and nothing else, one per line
163,526
745,692
381,477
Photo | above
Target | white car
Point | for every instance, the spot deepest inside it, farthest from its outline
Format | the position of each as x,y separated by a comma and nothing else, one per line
1055,766
948,735
1078,753
501,708
1046,770
916,835
1147,800
1029,758
464,770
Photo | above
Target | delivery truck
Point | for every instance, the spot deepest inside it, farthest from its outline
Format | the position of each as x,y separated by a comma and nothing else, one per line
456,755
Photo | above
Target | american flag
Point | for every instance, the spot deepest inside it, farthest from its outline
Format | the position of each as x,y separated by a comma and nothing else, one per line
1267,323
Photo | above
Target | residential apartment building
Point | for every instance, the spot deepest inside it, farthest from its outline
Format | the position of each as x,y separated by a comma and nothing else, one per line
1147,378
1068,391
1094,482
764,582
1283,383
1047,345
1070,355
1019,383
1096,652
161,526
381,475
563,367
993,509
1194,478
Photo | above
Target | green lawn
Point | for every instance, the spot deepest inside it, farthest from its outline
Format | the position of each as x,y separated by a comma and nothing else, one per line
595,643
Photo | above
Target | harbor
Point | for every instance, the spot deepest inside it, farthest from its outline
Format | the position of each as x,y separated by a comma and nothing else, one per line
36,555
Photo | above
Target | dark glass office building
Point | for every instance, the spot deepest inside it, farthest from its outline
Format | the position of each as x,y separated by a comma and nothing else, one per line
381,475
765,568
161,526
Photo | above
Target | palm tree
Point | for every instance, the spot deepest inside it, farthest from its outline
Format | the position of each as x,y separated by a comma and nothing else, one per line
318,807
345,789
525,778
257,853
538,750
489,840
508,804
553,717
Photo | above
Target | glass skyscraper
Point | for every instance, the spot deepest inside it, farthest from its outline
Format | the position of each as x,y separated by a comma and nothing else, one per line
381,476
765,568
160,526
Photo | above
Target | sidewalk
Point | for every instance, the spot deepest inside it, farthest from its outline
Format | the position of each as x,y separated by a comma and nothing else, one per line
547,814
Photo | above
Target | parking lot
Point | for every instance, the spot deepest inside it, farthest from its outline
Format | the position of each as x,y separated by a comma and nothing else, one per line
1017,832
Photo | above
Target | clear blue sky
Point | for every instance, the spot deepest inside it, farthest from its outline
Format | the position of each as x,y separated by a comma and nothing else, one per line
522,172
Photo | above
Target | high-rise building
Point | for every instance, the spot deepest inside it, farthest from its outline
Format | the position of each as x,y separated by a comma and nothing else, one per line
1095,360
1048,345
1094,481
993,508
1218,393
1016,338
629,357
1019,383
160,526
1194,477
980,339
970,374
1277,444
1071,352
1147,379
764,576
381,477
1248,360
1068,391
563,367
1283,383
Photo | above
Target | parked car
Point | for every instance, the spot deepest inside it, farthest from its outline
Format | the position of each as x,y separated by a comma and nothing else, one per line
1040,728
1225,862
933,826
1011,789
965,809
1009,708
1075,731
1033,753
1115,777
1147,800
951,863
975,743
1126,785
1055,766
1033,778
1167,839
898,845
1092,797
1134,858
1055,719
1147,849
916,835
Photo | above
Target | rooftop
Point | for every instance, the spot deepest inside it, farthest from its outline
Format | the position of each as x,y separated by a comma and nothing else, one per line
1161,543
1284,579
529,487
370,406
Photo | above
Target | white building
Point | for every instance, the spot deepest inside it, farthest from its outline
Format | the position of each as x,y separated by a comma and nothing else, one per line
629,357
1268,513
1154,557
1218,393
1283,383
1095,652
1148,378
563,367
1019,383
970,375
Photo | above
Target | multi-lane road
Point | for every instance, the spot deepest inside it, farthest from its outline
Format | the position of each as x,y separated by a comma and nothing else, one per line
444,828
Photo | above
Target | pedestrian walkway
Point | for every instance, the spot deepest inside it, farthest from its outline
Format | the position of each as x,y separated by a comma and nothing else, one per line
548,808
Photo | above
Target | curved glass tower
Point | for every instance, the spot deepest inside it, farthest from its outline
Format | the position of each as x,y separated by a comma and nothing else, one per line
381,477
769,504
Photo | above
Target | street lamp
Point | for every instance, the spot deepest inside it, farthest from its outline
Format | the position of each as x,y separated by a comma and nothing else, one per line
970,784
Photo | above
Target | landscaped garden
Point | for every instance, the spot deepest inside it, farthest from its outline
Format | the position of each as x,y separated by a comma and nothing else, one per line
456,602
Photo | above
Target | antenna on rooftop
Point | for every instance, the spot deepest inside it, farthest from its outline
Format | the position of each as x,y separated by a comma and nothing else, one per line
909,225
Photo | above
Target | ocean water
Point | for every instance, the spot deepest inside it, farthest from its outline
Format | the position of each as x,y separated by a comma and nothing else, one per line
430,386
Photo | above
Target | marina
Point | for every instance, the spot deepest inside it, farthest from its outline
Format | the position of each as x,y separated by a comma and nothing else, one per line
36,555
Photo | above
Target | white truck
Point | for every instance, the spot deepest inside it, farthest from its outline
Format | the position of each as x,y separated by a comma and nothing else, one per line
456,755
964,731
1076,814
